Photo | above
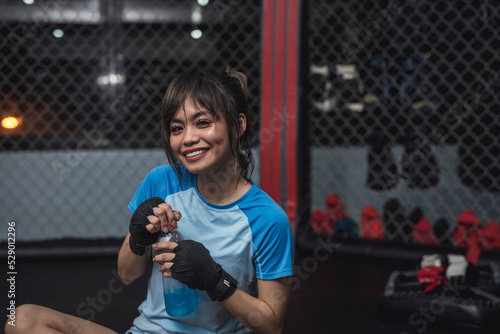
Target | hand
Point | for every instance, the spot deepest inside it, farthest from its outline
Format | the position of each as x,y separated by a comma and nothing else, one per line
151,216
191,263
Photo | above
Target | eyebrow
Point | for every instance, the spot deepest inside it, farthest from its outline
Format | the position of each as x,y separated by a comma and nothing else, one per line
195,116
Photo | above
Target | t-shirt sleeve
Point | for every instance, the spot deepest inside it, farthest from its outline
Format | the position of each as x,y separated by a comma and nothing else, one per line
143,192
159,182
275,247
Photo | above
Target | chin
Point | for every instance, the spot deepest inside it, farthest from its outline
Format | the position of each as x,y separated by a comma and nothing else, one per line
193,169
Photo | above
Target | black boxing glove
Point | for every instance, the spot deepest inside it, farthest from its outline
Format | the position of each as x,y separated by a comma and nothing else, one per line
194,266
140,237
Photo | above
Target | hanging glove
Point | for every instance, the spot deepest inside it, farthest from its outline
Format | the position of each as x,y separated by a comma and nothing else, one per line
382,173
194,266
419,164
140,237
394,219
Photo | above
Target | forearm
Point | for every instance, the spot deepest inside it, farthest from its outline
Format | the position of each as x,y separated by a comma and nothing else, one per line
257,314
130,265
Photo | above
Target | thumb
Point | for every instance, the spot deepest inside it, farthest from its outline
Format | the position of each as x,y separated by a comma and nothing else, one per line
152,228
178,215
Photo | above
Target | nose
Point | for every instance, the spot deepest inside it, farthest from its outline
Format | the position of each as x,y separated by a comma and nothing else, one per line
191,135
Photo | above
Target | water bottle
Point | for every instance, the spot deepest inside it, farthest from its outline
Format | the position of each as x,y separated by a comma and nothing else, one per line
179,299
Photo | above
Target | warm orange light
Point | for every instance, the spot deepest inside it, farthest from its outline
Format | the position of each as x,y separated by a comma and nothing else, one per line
10,122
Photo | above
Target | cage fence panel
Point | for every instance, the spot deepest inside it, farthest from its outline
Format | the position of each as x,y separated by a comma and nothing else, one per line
404,119
82,84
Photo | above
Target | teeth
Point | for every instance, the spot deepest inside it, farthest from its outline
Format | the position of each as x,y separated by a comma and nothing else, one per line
192,154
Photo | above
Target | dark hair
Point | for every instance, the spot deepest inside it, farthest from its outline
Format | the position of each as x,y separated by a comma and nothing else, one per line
225,94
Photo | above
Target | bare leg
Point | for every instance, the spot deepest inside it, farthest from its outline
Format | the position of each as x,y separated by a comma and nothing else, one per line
42,320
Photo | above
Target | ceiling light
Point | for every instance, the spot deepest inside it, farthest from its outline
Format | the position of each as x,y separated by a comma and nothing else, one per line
110,79
196,15
196,33
58,33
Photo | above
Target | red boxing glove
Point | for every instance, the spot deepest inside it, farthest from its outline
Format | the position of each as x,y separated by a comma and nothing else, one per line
432,276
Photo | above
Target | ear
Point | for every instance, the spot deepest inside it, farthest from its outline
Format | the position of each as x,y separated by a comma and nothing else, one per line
242,119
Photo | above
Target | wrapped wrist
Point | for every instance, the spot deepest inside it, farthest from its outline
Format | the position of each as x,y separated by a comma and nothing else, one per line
140,237
224,289
136,248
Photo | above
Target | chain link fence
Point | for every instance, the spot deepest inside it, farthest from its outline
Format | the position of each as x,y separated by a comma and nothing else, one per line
403,110
404,123
81,89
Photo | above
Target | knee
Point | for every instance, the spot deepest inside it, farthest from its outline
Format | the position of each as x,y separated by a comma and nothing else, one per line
22,320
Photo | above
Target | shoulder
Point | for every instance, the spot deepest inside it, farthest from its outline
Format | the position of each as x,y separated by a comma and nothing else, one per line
160,182
167,174
264,213
267,204
161,171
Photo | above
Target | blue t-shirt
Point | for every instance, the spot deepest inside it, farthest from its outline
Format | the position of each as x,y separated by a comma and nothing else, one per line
250,238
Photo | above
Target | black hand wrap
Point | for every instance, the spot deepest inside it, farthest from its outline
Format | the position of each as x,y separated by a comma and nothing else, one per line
194,267
140,237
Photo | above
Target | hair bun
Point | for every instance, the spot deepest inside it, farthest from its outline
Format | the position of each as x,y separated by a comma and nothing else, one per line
241,78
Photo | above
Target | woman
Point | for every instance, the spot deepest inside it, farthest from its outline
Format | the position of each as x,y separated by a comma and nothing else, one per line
239,246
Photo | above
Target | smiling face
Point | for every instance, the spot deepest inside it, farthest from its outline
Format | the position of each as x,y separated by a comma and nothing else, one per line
200,140
216,105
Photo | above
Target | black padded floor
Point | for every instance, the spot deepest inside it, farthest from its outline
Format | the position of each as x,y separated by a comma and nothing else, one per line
337,295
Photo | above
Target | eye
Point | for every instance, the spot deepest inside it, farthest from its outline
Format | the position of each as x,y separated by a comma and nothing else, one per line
203,123
174,129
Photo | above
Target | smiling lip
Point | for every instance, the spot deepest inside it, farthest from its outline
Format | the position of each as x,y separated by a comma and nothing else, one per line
195,154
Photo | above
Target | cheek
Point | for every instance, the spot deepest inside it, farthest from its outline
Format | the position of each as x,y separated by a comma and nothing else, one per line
174,143
221,143
210,136
219,135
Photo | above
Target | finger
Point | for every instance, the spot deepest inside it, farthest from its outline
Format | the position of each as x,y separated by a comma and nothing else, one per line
167,217
171,217
165,245
164,257
152,228
154,224
166,267
167,274
162,214
178,215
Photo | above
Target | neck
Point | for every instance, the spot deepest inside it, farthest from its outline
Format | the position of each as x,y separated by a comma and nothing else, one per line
222,187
